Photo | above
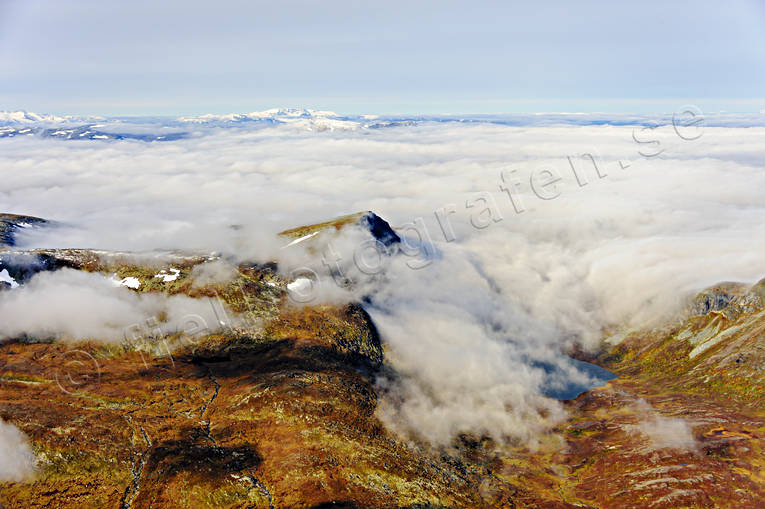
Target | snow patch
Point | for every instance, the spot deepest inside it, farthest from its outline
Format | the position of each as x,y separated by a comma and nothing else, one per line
168,277
131,282
300,286
301,239
5,277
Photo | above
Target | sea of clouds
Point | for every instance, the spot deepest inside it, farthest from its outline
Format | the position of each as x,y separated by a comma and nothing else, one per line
530,255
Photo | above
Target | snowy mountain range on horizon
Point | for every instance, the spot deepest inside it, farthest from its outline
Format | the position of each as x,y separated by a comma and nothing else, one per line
167,128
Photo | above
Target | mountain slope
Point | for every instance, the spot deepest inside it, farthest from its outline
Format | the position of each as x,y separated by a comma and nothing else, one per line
279,408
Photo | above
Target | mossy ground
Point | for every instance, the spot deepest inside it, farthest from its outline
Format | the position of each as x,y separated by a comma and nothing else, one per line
281,413
337,223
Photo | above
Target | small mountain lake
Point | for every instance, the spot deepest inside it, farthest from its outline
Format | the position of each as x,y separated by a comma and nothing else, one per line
598,377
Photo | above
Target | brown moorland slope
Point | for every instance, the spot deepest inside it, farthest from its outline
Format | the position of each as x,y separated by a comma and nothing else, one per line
282,414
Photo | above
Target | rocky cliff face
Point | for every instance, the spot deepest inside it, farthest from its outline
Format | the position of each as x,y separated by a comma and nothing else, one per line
279,410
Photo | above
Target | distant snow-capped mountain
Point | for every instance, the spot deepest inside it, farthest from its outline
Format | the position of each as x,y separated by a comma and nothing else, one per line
71,127
279,114
24,123
28,117
302,118
293,113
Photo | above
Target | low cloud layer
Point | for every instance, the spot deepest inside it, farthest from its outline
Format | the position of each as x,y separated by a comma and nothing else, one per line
665,432
74,305
466,358
17,461
541,237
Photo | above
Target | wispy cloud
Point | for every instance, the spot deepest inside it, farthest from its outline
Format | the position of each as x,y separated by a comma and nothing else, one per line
17,461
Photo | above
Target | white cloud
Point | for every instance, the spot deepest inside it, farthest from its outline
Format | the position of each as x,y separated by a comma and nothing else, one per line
17,461
665,432
212,272
70,304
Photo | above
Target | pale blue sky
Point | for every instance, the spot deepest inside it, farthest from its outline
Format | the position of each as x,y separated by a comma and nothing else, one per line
188,57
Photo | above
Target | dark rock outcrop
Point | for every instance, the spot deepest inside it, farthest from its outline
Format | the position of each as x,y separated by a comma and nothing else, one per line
11,223
374,224
379,228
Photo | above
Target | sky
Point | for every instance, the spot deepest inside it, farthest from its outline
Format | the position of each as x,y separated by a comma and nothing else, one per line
189,57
